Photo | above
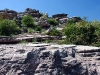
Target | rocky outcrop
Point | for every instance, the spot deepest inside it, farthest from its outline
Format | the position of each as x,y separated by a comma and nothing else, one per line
39,18
43,23
49,59
75,18
32,12
8,39
59,15
10,14
61,18
13,14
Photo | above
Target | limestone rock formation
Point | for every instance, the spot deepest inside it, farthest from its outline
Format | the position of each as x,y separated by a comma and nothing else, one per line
59,15
6,13
8,39
49,59
61,18
40,18
43,23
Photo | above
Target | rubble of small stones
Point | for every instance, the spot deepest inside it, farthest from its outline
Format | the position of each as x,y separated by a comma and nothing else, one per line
49,59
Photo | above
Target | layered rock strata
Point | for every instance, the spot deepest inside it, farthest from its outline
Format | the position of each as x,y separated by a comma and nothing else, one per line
49,59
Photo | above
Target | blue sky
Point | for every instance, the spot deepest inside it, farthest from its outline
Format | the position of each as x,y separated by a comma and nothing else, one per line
88,8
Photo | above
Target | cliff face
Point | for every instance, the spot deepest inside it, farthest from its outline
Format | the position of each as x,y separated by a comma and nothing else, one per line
49,59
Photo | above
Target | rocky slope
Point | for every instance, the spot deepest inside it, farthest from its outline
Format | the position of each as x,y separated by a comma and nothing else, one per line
49,59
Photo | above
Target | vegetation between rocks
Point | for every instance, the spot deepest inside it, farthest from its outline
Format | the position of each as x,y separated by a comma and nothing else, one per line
8,27
82,33
76,31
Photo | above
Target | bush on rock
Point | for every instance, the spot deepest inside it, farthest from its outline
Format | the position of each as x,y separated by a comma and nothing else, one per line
8,27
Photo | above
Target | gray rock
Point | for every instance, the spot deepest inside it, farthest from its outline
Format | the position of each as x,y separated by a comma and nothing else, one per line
22,59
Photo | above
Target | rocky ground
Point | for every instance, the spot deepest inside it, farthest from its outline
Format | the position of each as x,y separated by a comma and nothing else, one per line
49,59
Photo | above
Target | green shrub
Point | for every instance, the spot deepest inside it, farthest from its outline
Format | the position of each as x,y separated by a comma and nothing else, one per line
41,14
48,41
96,24
43,17
71,22
52,21
54,32
28,21
24,42
35,40
38,28
8,27
80,33
30,30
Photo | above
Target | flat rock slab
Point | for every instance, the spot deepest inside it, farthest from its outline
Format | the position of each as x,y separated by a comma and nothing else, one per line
80,48
37,45
63,46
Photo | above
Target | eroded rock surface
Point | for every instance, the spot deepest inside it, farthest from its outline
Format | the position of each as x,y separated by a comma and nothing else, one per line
49,59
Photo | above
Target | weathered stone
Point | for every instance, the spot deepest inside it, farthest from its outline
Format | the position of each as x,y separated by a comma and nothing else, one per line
8,39
8,13
46,59
43,23
59,16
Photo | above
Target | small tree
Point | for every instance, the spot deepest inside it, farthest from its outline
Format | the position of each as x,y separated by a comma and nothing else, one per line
28,21
8,27
52,21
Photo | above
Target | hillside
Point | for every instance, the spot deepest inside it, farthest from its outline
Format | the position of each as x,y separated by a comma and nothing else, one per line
32,43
